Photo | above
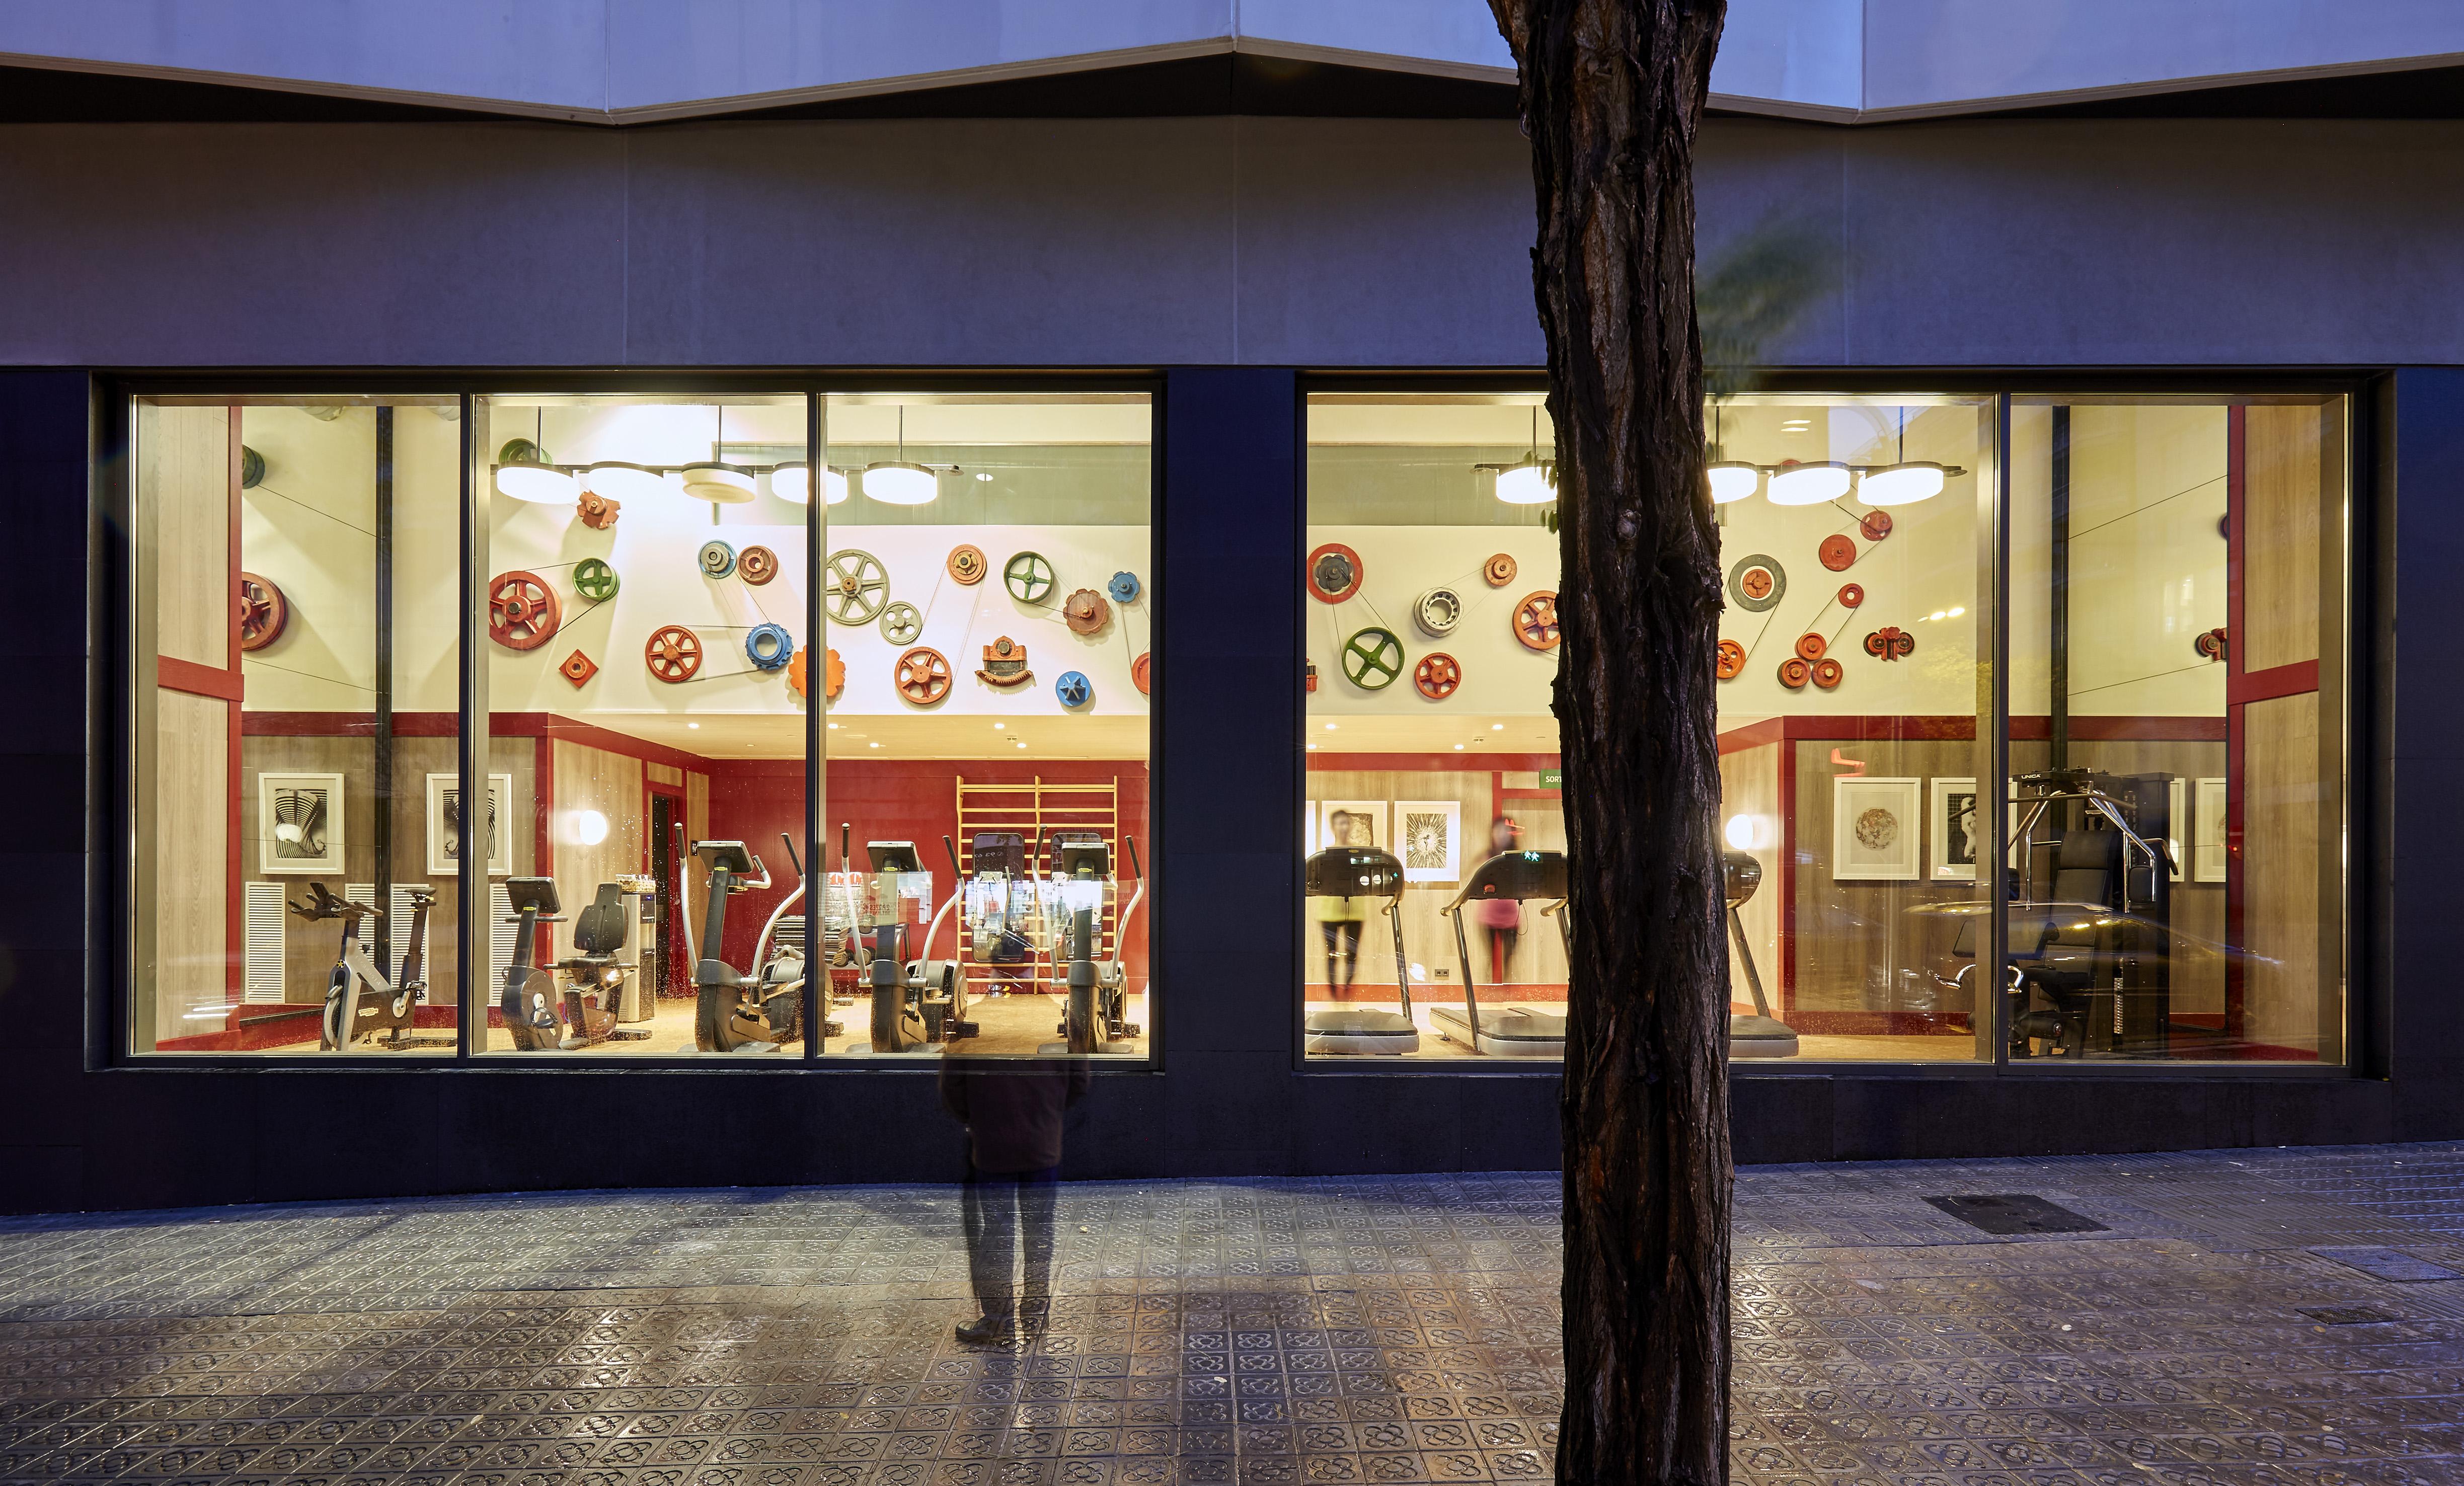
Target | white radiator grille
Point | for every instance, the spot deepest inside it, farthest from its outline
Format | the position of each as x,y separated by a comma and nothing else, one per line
500,936
261,922
398,915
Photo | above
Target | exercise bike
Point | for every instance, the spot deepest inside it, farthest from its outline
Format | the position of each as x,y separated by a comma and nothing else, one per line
783,959
1363,872
391,1009
735,1013
916,1003
1096,1015
1518,1031
526,999
605,959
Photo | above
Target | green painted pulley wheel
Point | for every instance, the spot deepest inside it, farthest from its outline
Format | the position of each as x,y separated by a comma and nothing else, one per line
594,579
1028,576
1373,658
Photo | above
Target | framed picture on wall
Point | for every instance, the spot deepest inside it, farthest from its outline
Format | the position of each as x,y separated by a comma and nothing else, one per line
298,824
445,820
1353,822
2177,826
1953,811
2208,832
1874,829
1430,831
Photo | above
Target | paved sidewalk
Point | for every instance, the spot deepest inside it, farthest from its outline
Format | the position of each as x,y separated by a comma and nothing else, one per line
1377,1330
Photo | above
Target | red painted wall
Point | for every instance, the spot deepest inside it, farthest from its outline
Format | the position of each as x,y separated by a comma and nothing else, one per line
890,800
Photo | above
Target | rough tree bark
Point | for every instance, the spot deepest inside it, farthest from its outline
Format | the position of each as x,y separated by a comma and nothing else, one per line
1612,95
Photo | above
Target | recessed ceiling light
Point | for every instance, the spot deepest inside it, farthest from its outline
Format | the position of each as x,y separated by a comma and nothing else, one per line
983,475
872,745
695,726
1495,727
1000,727
1459,748
834,727
1329,727
1313,748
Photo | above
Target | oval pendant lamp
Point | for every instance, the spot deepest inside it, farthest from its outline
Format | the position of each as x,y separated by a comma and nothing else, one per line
900,482
525,472
715,480
1905,482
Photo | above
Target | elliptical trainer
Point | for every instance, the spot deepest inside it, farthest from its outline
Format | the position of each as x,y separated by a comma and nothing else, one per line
918,1003
728,1014
394,1006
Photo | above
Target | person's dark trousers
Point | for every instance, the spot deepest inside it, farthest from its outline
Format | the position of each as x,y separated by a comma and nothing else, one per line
998,1206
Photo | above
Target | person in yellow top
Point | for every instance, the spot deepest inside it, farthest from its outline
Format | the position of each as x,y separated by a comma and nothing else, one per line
1339,920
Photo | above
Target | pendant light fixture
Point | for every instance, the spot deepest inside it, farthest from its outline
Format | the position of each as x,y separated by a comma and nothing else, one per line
524,472
1809,485
715,480
1530,481
622,480
1730,480
1905,482
900,482
793,482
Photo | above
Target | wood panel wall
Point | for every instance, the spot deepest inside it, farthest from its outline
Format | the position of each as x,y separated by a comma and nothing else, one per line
190,847
1868,945
186,482
1750,786
593,778
2284,509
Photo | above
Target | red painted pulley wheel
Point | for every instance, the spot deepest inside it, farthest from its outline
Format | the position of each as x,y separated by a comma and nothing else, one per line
1334,573
673,653
1810,646
1733,660
262,612
1793,673
1875,524
1836,552
1827,673
1851,595
523,611
1437,675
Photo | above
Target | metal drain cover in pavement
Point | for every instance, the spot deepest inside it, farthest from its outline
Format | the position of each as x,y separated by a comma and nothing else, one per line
2385,1263
2016,1212
2345,1315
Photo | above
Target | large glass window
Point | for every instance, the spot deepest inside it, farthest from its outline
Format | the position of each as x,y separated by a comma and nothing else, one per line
987,601
296,657
2176,731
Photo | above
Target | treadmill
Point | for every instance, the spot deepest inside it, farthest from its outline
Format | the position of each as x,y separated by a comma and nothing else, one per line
1363,872
1517,1030
1755,1034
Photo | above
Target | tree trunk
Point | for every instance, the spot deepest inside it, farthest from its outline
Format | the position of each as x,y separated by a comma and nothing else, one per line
1612,95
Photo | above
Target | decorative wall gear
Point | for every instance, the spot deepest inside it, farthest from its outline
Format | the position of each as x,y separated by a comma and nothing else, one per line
1027,577
1733,660
796,669
1373,658
1141,672
252,468
1086,612
595,580
923,676
1875,524
1004,664
1124,587
1827,672
1334,573
1851,595
769,646
2214,645
1309,676
1757,583
261,613
522,610
966,564
1890,643
1437,675
673,653
1536,620
1810,646
718,558
577,669
901,623
1836,552
757,565
596,511
1793,673
857,588
1073,689
1438,612
1499,569
833,673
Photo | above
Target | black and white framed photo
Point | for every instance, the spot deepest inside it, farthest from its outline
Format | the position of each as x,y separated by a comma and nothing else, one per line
447,825
1430,837
1953,810
1874,829
298,824
2207,832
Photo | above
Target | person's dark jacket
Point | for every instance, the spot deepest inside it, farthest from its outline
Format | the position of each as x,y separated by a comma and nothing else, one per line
1012,1111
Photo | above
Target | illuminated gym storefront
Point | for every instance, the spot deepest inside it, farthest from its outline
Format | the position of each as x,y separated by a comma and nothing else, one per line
650,666
2143,636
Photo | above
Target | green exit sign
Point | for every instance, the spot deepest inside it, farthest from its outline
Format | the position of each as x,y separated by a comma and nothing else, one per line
1552,778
